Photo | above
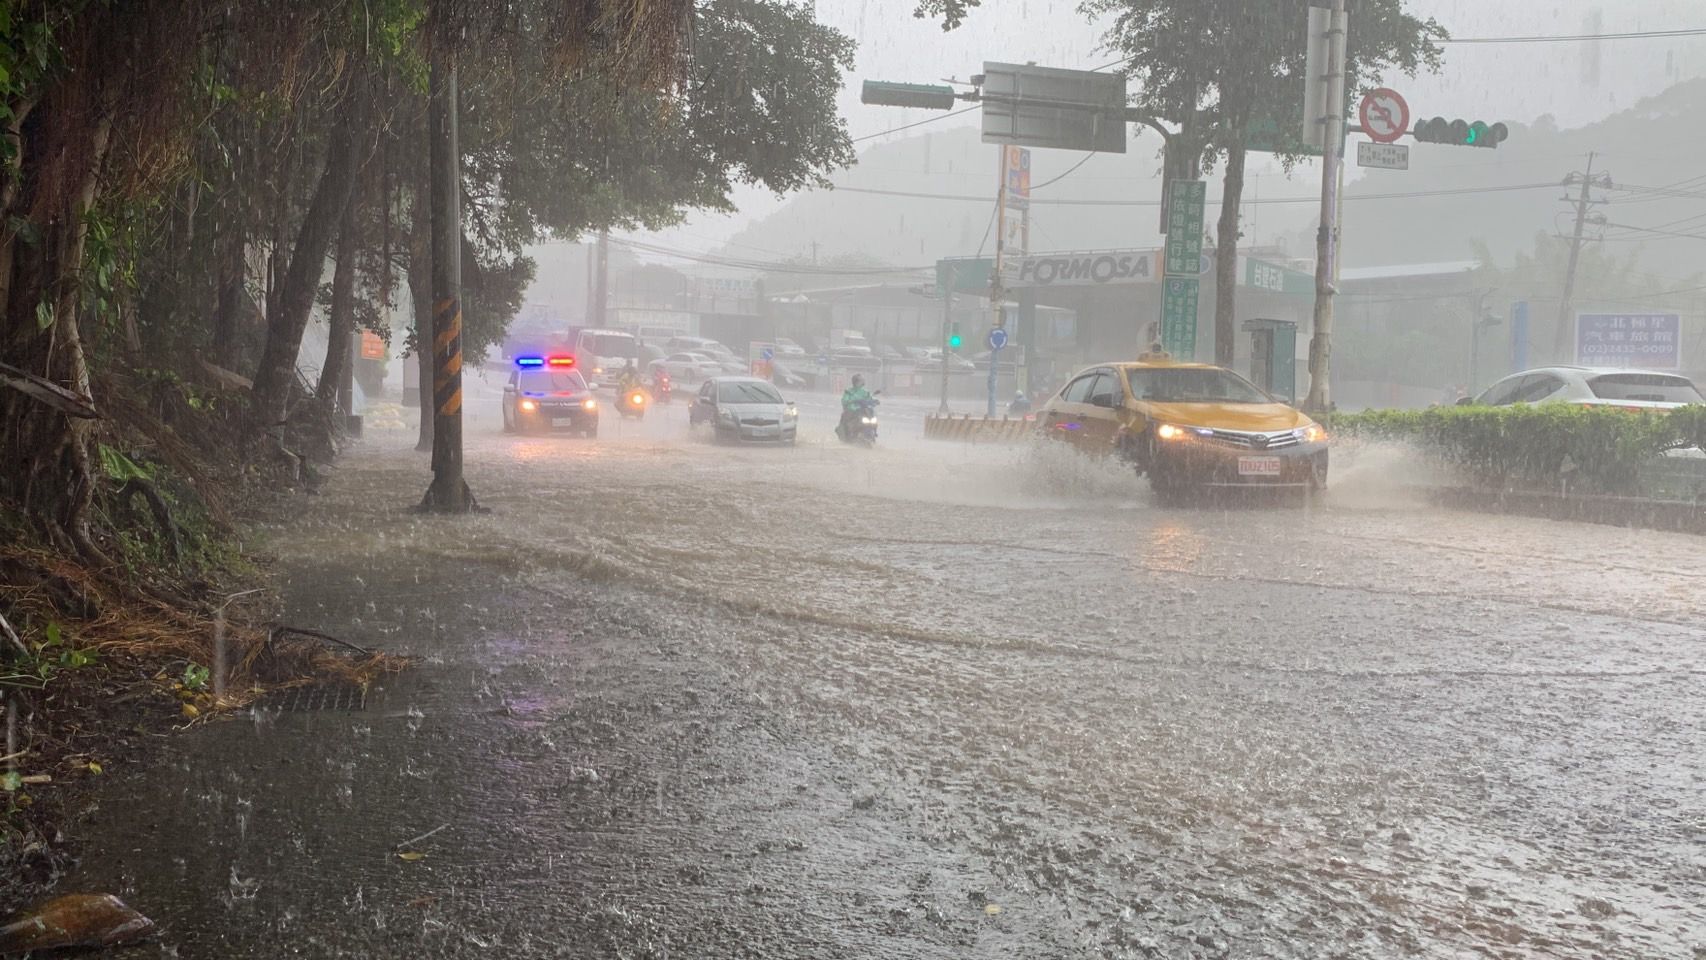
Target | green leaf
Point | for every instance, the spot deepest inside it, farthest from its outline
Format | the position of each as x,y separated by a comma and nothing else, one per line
119,467
11,780
53,634
44,315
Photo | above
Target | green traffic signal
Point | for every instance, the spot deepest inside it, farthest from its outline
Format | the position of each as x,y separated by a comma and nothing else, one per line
1462,133
954,340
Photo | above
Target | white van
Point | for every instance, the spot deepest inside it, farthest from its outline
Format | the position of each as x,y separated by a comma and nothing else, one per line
601,354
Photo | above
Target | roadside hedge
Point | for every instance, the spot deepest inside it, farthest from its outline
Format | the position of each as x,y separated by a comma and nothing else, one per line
1597,449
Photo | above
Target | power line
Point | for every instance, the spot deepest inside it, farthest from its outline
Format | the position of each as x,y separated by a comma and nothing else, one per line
1068,173
1631,35
966,198
920,123
1657,232
765,266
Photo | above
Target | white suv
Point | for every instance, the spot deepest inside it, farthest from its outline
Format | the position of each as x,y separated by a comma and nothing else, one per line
1593,386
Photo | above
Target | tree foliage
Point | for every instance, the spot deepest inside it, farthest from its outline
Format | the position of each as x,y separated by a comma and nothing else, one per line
176,176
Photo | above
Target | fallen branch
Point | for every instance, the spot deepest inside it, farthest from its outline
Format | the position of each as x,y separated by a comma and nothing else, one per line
12,635
409,843
280,629
48,393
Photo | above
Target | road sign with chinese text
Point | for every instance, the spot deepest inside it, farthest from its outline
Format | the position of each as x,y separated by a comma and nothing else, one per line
1179,317
1185,202
1652,340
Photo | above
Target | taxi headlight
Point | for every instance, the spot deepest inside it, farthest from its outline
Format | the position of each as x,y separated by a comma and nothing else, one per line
1168,431
1314,433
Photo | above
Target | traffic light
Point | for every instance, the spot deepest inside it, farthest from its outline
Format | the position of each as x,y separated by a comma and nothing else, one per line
1462,133
954,340
929,96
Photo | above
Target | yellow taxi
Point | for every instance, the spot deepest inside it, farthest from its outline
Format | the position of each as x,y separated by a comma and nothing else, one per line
1188,425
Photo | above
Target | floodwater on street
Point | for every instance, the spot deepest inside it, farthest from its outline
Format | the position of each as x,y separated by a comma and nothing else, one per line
676,699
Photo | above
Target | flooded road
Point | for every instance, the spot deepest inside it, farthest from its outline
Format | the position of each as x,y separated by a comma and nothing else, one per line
682,700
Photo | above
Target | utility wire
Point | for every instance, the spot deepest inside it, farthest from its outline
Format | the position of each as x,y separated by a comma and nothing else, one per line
766,266
966,198
920,123
1063,176
1580,37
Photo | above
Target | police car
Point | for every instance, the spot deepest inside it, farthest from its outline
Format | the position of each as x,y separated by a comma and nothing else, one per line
547,393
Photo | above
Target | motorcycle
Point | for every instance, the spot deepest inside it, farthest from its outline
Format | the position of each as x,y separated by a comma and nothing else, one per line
860,425
661,388
631,401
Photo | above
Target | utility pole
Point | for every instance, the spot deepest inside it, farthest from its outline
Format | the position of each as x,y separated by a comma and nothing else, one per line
1327,239
448,493
947,326
1566,328
996,294
600,306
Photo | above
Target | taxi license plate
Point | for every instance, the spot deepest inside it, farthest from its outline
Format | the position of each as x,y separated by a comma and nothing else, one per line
1258,466
562,421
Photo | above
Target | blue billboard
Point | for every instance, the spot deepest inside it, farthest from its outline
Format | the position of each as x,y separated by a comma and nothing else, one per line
1651,340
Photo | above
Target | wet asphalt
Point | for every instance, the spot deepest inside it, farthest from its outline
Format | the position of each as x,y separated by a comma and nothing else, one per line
674,699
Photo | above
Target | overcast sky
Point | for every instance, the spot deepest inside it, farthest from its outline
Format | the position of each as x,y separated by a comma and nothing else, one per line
1575,82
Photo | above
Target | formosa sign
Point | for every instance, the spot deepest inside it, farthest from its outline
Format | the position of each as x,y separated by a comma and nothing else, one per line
1113,268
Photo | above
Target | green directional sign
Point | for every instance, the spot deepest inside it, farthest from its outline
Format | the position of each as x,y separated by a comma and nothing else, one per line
1179,317
1185,202
1182,265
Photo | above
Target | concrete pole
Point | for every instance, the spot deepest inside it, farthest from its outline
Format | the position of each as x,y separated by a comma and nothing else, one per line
448,493
1327,239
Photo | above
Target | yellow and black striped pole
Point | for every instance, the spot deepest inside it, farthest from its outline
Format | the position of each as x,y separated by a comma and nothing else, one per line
448,493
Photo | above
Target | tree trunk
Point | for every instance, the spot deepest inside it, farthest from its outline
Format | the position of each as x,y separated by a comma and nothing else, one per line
46,467
341,321
1226,259
277,371
232,299
420,302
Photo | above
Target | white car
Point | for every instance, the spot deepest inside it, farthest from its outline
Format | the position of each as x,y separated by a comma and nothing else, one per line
1592,386
745,409
788,348
686,367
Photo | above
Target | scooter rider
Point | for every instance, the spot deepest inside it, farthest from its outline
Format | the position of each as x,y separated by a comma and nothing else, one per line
1020,406
629,379
853,401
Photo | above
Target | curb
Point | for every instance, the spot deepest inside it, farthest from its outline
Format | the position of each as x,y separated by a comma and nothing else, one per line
1681,516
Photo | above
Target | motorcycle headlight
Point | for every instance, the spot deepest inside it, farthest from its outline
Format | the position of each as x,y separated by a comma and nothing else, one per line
1314,433
868,421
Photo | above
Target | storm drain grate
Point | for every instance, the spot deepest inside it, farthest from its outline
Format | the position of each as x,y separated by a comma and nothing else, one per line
322,696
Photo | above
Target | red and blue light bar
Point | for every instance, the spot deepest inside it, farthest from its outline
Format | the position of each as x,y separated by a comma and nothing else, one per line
562,362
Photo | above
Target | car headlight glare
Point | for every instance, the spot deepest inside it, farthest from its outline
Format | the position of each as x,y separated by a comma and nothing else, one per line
589,404
1314,433
529,405
1167,431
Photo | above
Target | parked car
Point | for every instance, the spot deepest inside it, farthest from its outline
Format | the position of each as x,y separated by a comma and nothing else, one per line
1188,425
788,348
686,367
1592,386
956,363
745,409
